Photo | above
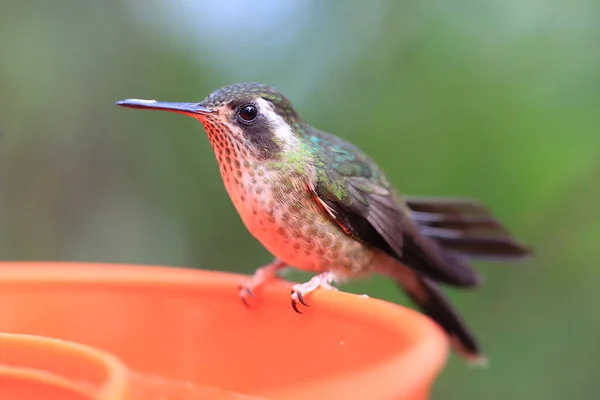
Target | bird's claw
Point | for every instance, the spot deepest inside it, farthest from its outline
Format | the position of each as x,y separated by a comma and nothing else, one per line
245,292
300,290
298,298
261,276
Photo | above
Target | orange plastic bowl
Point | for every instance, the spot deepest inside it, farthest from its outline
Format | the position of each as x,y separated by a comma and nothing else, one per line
76,331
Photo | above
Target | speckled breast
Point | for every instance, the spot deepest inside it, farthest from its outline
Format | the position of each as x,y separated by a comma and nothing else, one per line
278,209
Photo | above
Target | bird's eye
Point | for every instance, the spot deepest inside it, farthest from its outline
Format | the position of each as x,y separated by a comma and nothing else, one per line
248,113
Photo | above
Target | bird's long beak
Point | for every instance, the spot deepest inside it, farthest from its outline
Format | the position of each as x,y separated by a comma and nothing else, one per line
191,109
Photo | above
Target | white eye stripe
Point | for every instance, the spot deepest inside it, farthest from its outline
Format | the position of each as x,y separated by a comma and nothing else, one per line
282,130
264,107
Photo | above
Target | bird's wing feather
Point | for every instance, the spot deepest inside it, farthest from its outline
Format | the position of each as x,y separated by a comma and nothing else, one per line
465,226
357,196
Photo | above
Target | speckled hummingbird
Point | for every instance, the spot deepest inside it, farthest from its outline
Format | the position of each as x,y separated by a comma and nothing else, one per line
320,204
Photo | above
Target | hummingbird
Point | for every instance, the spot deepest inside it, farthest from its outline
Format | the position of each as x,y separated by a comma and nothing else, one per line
318,203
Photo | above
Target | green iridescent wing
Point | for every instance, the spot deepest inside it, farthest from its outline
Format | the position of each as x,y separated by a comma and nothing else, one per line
434,237
357,196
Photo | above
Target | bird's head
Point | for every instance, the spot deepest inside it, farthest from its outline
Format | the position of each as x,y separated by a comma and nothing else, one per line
251,116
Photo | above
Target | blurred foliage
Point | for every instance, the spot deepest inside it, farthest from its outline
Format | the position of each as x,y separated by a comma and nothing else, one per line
493,100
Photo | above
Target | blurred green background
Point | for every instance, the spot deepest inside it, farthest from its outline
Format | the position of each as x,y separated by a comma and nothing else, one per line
496,100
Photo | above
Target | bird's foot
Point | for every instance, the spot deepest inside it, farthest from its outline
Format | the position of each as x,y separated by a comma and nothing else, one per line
299,291
260,277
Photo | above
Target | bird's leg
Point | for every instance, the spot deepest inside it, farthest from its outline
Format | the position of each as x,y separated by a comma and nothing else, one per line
261,276
323,280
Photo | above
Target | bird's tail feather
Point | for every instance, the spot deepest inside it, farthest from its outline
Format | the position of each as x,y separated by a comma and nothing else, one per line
427,295
463,229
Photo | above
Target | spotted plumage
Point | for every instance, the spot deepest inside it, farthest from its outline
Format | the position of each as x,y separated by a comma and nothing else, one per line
277,206
318,203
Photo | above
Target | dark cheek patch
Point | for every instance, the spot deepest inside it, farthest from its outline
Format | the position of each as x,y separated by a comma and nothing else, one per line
260,134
